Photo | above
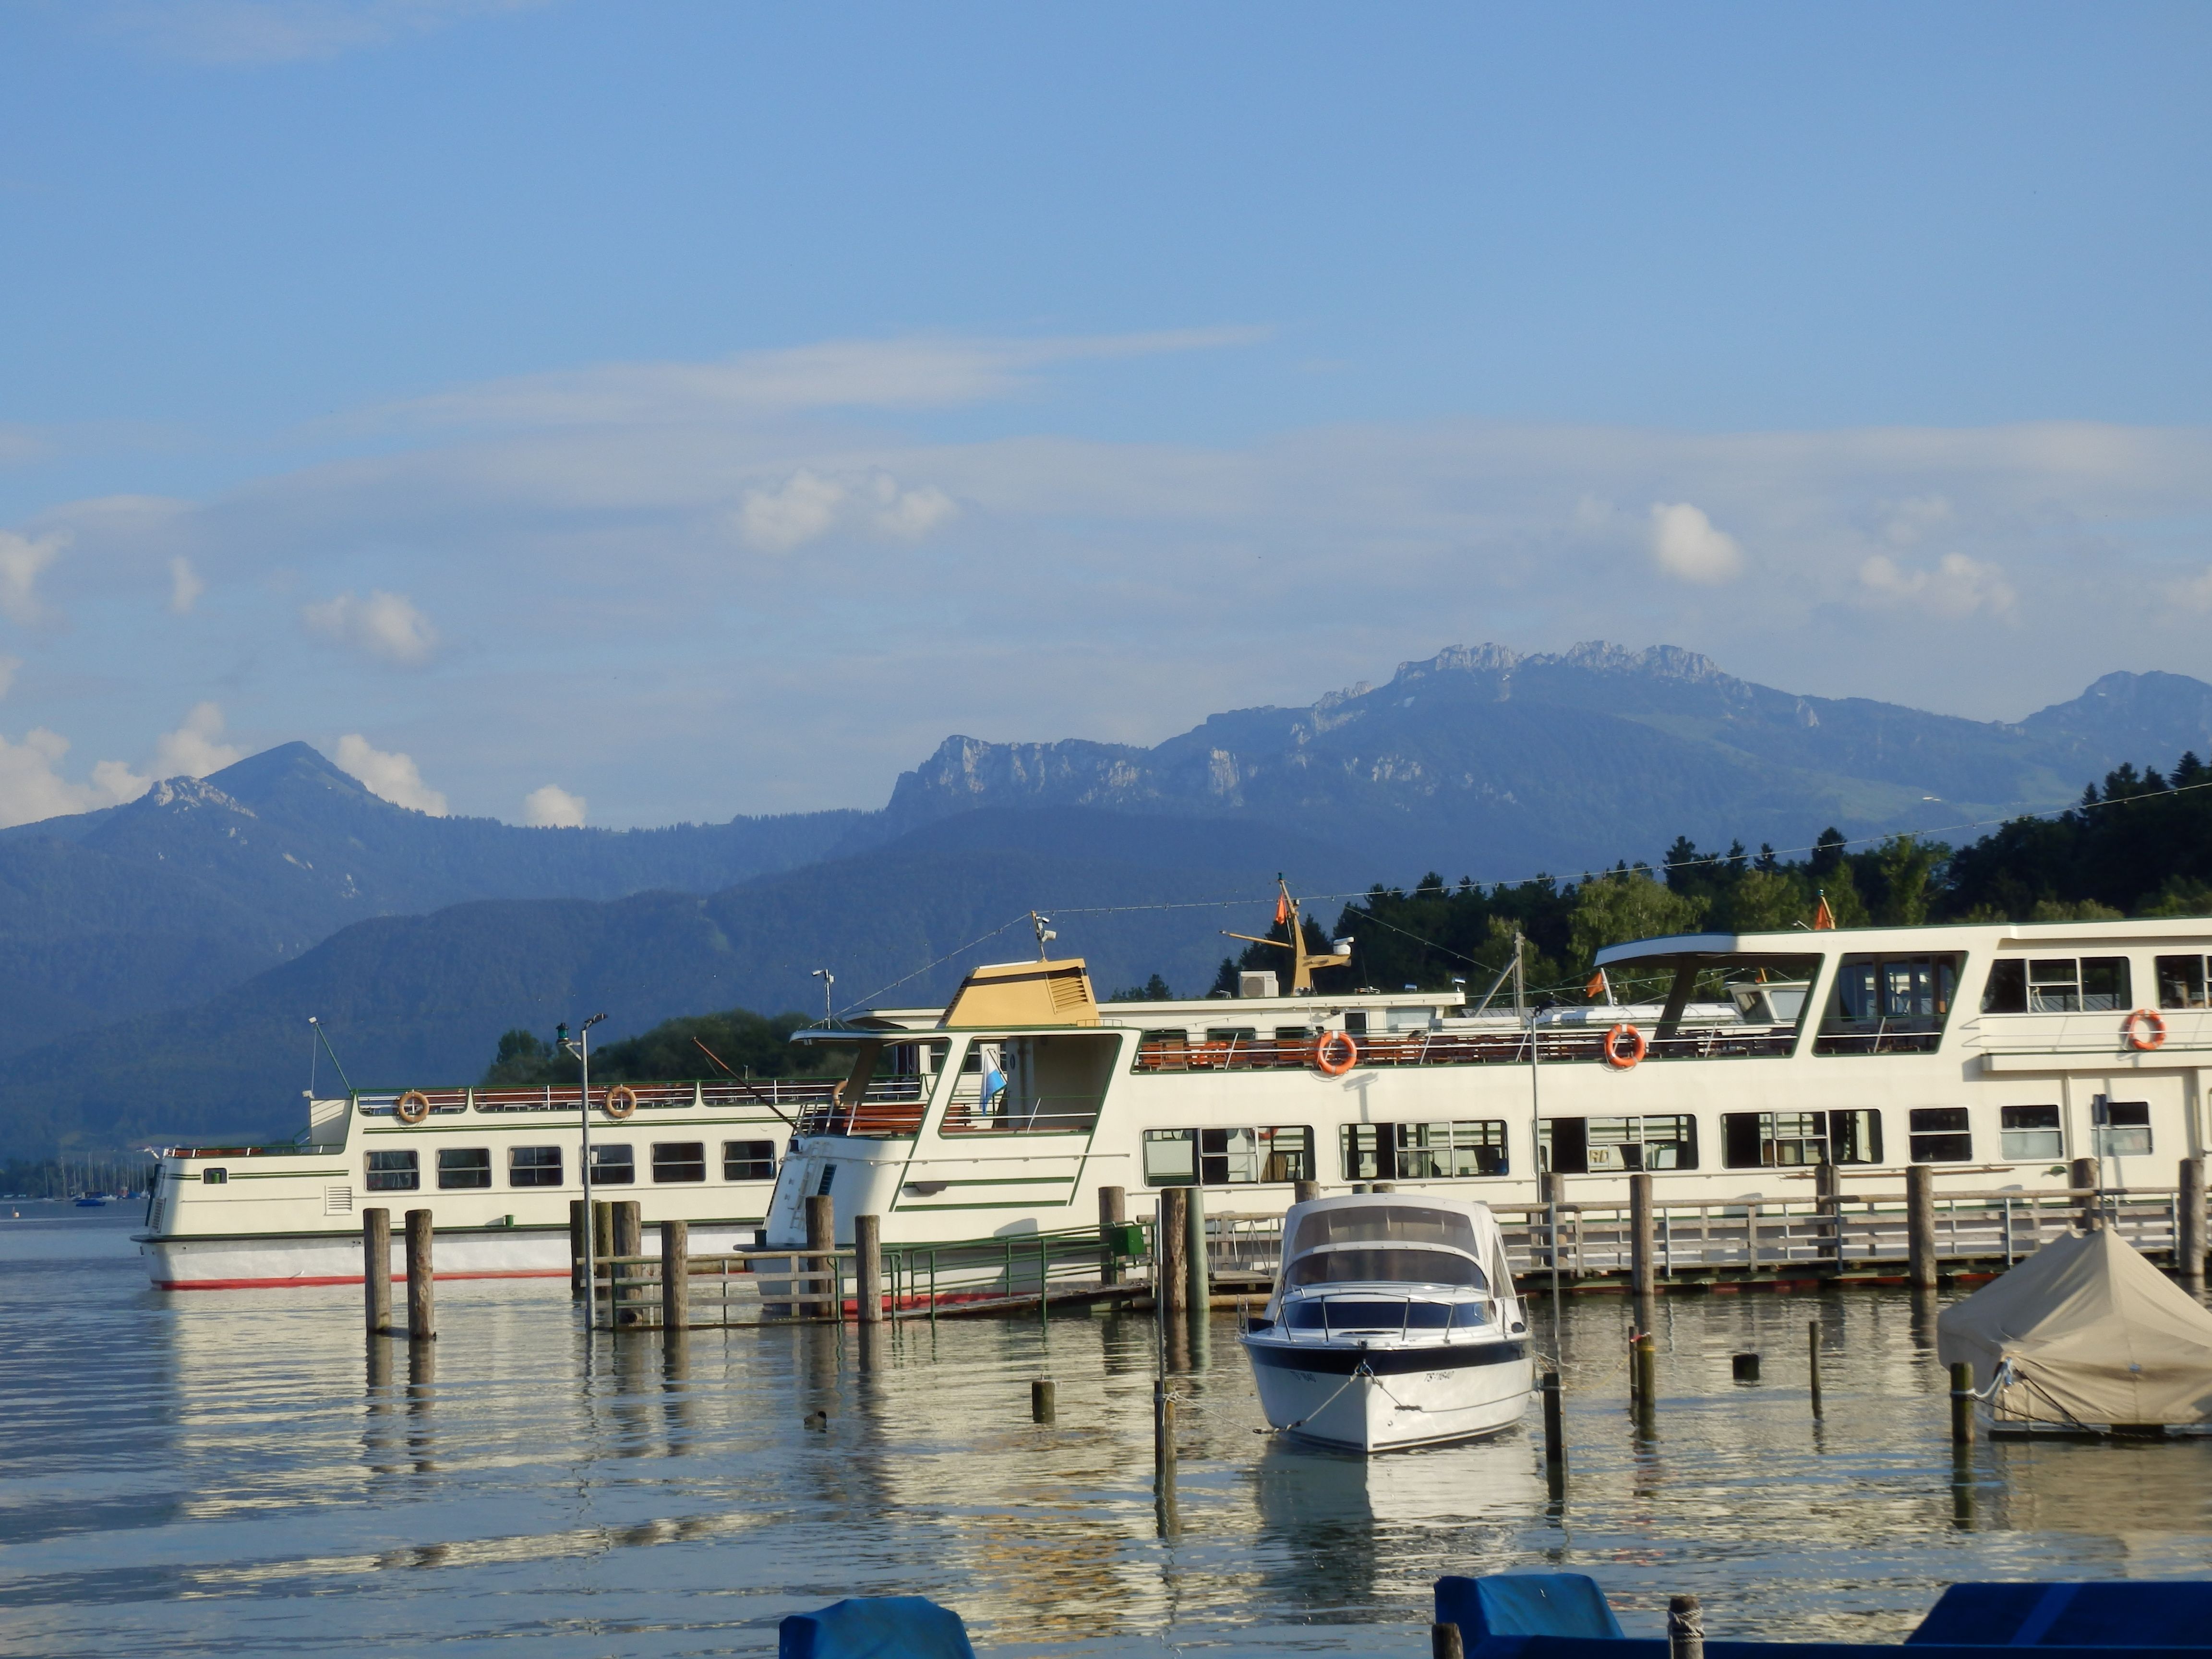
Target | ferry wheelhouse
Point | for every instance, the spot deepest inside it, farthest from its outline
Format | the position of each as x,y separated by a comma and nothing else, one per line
1726,1067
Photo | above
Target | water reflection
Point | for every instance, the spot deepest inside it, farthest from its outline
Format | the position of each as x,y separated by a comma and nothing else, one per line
237,1473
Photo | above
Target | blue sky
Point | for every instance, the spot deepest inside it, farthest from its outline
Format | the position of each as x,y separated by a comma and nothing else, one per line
687,410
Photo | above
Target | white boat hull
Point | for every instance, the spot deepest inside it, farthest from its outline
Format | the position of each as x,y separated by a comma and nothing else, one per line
1387,1399
300,1261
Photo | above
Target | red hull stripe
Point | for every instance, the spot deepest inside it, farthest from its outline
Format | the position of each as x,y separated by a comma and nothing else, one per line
305,1283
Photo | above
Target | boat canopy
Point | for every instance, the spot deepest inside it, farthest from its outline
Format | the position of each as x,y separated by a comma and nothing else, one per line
2088,1334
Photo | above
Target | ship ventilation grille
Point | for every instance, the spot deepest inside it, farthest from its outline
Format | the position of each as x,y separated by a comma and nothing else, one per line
338,1200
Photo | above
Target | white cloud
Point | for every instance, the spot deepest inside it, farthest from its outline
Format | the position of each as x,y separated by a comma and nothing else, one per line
195,748
2193,592
1688,546
553,808
261,32
807,506
9,667
394,776
1957,586
31,789
21,559
385,625
186,585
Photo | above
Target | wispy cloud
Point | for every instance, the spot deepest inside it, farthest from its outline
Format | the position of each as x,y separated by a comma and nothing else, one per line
807,506
384,625
186,585
21,559
1688,547
257,33
392,776
552,807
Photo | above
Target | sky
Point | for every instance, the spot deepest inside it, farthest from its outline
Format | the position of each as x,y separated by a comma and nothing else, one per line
589,412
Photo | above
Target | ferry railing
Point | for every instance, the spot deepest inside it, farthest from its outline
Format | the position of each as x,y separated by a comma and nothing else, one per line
551,1097
1005,1114
1556,1045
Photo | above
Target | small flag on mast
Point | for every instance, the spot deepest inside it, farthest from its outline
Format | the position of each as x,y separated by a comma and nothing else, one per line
1597,990
1282,909
1824,918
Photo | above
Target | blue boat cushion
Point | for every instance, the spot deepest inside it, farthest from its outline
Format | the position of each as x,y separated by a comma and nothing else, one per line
1525,1604
875,1627
2115,1613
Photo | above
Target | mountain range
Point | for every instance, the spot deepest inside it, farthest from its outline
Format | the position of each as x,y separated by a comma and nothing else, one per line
162,956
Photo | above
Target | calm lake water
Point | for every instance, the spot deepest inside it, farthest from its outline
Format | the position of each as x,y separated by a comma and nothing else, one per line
241,1473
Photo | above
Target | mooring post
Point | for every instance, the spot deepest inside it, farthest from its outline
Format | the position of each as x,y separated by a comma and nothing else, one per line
2081,1176
1685,1628
2189,1225
1812,1353
1170,1243
1962,1403
1043,1406
1304,1192
1744,1367
1164,1431
422,1305
376,1269
1827,1194
603,1246
578,1218
1555,1432
1113,1216
868,1268
675,1275
821,1235
1445,1643
1195,1264
630,1240
1646,1360
1643,1237
1920,1226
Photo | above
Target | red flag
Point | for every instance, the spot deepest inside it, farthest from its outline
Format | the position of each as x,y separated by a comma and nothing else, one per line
1282,909
1597,987
1824,918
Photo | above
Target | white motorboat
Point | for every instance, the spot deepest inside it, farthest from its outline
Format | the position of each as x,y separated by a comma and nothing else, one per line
1394,1324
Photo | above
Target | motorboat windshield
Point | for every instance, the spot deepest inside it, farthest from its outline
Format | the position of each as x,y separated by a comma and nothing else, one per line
1384,1223
1371,1265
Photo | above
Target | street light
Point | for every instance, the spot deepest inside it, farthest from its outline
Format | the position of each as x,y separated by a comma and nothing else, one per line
580,1046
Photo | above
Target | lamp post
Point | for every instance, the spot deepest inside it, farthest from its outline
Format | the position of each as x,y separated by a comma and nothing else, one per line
580,1046
828,980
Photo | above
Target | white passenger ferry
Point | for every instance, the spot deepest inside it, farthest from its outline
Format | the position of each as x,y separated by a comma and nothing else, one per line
1726,1065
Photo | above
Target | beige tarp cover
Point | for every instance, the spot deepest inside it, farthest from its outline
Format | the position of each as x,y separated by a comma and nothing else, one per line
2096,1336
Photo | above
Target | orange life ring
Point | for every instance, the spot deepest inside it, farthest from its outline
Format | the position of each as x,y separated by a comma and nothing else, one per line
2146,1040
412,1107
1613,1057
620,1101
1335,1053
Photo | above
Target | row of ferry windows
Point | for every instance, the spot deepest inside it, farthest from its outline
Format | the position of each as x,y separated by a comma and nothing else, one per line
1598,1146
461,1168
2088,985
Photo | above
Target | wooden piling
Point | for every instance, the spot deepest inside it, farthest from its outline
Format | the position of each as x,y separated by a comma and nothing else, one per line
1920,1226
1962,1403
376,1269
1200,1294
868,1268
675,1275
421,1303
1828,1203
1643,1237
2189,1225
1646,1362
1744,1367
1555,1432
1043,1405
603,1246
1445,1643
1304,1192
630,1240
2081,1176
1164,1431
579,1219
1113,1216
1685,1628
828,1301
1812,1355
1170,1243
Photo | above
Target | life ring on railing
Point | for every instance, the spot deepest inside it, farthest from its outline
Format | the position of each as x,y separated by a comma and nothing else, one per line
1335,1053
1614,1057
2146,1039
412,1107
620,1101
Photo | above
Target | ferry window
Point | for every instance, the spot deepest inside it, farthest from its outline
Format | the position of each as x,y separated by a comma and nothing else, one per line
219,1177
1171,1158
1940,1135
613,1166
679,1160
460,1167
2031,1131
394,1172
2123,1127
1602,1145
533,1166
2006,993
2062,985
1050,1083
1356,1022
1889,1004
1225,1035
1286,1154
1752,1140
2181,983
749,1160
1292,1034
1423,1151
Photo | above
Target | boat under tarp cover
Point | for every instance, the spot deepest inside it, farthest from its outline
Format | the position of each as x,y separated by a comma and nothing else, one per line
2085,1335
